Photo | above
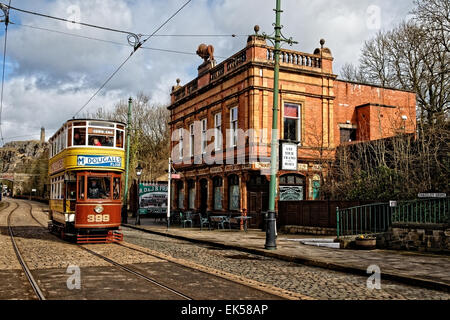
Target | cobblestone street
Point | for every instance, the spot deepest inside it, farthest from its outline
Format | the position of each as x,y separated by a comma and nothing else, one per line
310,281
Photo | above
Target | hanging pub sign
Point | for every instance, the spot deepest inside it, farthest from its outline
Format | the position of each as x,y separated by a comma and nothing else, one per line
153,197
289,156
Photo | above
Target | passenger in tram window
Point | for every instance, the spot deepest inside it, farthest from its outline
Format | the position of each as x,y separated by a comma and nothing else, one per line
108,142
77,139
97,142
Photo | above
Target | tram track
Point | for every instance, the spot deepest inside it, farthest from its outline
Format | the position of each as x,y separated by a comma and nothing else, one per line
167,287
34,285
122,266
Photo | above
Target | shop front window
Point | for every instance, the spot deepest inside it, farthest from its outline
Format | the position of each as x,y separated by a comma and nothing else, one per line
217,183
191,185
234,193
180,187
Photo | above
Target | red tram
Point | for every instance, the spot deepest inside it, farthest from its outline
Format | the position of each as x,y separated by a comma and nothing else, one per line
85,171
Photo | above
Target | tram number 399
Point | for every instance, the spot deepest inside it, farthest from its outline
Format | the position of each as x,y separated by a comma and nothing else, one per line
98,218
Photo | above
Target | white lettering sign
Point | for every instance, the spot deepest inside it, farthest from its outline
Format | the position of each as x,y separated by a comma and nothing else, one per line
289,156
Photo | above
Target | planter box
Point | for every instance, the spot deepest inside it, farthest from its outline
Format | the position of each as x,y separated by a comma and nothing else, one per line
366,244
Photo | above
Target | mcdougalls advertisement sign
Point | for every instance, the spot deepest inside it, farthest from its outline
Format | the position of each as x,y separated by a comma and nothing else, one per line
99,161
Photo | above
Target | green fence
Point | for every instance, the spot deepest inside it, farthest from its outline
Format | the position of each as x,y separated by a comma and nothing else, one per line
435,210
371,218
378,217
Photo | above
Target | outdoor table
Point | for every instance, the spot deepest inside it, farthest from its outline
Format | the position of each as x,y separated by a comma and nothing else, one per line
245,218
218,219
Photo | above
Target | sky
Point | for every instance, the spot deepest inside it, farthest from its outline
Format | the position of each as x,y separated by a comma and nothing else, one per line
50,76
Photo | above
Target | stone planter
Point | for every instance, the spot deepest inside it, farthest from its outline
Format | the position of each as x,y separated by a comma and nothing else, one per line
366,244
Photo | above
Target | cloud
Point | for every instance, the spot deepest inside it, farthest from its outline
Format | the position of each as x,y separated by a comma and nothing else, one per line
51,75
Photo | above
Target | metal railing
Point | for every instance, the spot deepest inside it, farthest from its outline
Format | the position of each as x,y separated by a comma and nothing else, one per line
378,217
436,210
367,219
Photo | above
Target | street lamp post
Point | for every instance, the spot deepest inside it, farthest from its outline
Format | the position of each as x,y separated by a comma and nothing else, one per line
277,39
138,214
127,164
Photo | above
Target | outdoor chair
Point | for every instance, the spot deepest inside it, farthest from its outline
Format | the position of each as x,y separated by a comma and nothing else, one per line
204,221
186,218
225,220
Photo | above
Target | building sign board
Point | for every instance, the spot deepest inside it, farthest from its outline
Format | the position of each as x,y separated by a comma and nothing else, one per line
99,161
153,197
289,156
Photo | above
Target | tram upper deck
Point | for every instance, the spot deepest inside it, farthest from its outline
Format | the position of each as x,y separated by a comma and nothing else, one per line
88,145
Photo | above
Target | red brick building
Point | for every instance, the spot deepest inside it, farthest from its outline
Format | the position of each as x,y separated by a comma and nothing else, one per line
220,172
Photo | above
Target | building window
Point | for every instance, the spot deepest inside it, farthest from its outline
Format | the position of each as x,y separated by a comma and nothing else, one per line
217,183
180,188
204,123
191,188
191,140
218,131
234,193
234,126
347,135
180,145
292,122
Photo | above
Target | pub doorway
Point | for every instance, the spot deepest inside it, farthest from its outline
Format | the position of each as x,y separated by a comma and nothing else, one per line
258,200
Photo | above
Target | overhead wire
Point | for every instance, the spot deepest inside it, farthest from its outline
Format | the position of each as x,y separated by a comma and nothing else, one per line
122,31
105,41
136,47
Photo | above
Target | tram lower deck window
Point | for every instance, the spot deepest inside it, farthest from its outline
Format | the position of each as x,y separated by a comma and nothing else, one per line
99,188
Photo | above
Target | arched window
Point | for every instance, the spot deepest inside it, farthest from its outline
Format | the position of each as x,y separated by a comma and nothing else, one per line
292,187
234,195
217,184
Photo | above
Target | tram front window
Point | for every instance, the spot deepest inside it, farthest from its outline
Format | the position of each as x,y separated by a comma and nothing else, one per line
99,188
99,141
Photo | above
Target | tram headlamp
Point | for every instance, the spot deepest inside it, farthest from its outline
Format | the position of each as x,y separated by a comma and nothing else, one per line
98,209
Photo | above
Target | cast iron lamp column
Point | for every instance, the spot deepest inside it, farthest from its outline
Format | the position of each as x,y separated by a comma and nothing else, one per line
271,221
138,214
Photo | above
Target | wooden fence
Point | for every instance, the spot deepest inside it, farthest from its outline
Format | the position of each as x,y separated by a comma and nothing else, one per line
314,213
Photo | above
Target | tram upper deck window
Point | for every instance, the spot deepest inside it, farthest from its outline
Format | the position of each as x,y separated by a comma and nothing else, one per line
79,136
99,188
101,137
119,139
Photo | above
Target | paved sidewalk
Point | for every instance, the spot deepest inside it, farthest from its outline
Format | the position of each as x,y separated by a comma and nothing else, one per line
422,269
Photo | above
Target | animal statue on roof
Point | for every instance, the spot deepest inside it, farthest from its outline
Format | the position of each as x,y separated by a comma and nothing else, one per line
206,52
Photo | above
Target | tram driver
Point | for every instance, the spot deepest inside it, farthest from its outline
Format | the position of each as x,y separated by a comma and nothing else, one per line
95,191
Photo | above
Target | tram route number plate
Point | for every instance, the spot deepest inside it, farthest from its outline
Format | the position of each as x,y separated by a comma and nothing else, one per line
98,218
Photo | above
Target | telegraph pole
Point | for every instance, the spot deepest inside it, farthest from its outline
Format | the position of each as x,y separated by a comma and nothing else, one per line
127,165
277,39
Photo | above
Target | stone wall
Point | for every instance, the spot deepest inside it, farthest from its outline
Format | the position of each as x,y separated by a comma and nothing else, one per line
417,237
